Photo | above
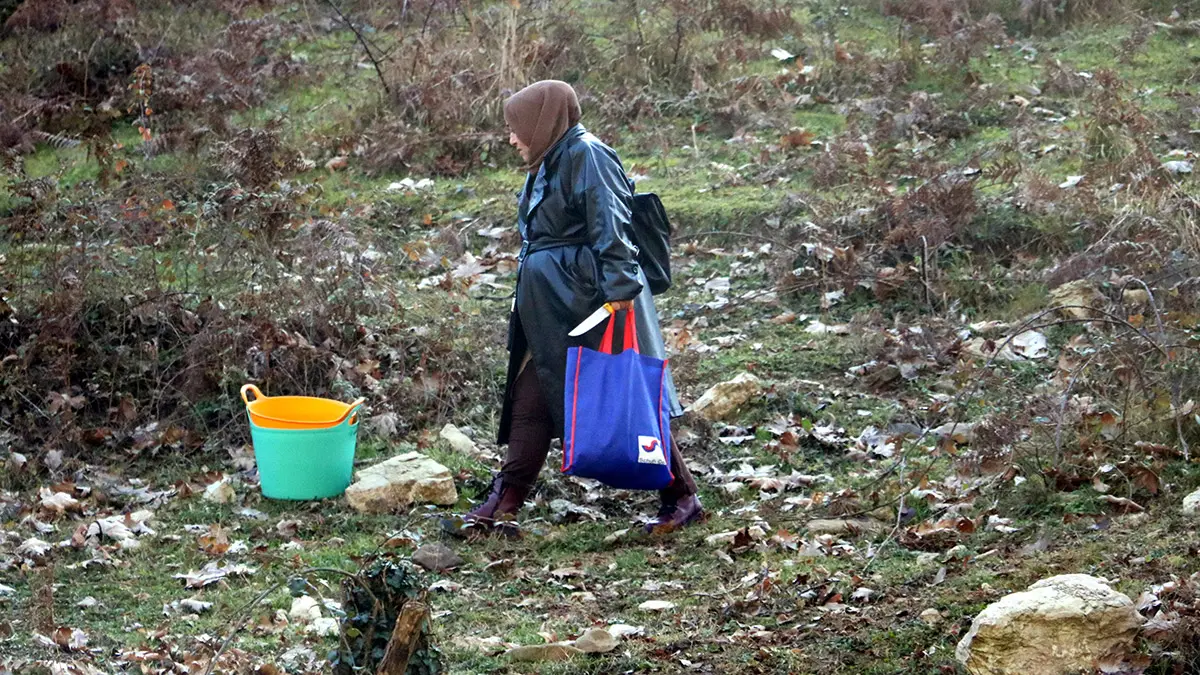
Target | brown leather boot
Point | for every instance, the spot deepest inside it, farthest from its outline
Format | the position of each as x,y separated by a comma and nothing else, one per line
497,514
674,514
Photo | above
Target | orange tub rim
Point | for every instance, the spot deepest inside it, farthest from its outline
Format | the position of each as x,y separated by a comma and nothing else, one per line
351,411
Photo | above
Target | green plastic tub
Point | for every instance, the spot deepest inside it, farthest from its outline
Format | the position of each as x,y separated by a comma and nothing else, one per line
302,464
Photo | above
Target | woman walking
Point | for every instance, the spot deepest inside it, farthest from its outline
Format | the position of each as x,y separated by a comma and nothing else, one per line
573,214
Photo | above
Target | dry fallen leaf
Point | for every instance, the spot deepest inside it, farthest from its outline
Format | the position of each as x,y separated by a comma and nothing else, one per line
70,639
220,492
57,502
34,548
215,542
211,574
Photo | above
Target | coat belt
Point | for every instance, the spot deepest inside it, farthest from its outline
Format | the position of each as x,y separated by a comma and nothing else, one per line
547,243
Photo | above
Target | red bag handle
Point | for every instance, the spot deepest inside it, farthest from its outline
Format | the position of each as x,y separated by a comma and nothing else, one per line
630,339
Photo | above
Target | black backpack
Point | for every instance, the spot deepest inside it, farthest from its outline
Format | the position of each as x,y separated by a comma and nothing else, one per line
651,233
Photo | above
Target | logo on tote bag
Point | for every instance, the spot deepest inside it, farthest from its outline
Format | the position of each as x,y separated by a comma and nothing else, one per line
650,451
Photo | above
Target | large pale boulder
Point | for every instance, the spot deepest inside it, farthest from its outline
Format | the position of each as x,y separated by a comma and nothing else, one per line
724,399
1191,504
1061,626
399,482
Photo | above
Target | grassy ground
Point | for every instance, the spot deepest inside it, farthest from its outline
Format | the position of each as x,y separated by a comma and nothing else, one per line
790,600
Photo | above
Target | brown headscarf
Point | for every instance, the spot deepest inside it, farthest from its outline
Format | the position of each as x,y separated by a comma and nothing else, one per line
540,114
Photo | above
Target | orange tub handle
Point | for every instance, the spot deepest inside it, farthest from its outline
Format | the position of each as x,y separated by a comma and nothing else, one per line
251,388
350,417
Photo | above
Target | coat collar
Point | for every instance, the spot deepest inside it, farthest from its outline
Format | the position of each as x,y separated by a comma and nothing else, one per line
549,163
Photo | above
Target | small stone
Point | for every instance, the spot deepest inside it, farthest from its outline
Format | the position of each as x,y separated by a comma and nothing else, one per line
843,526
883,377
398,482
555,651
959,552
458,441
436,558
324,627
884,514
905,429
304,609
927,559
656,606
931,617
1191,504
1135,296
621,630
724,399
1076,297
596,641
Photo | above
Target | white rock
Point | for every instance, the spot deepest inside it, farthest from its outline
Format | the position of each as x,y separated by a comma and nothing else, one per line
399,482
1135,296
305,609
410,185
1191,504
1063,624
195,606
931,617
656,606
458,441
1030,345
324,627
724,399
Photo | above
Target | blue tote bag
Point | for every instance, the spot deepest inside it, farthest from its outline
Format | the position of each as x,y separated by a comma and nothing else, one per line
617,420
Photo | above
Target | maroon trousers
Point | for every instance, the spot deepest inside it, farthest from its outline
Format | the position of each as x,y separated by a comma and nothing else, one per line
533,429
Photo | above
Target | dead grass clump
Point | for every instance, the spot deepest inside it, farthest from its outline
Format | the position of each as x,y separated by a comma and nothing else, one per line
930,215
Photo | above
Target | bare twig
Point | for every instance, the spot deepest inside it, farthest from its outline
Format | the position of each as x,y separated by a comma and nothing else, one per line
899,516
362,41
